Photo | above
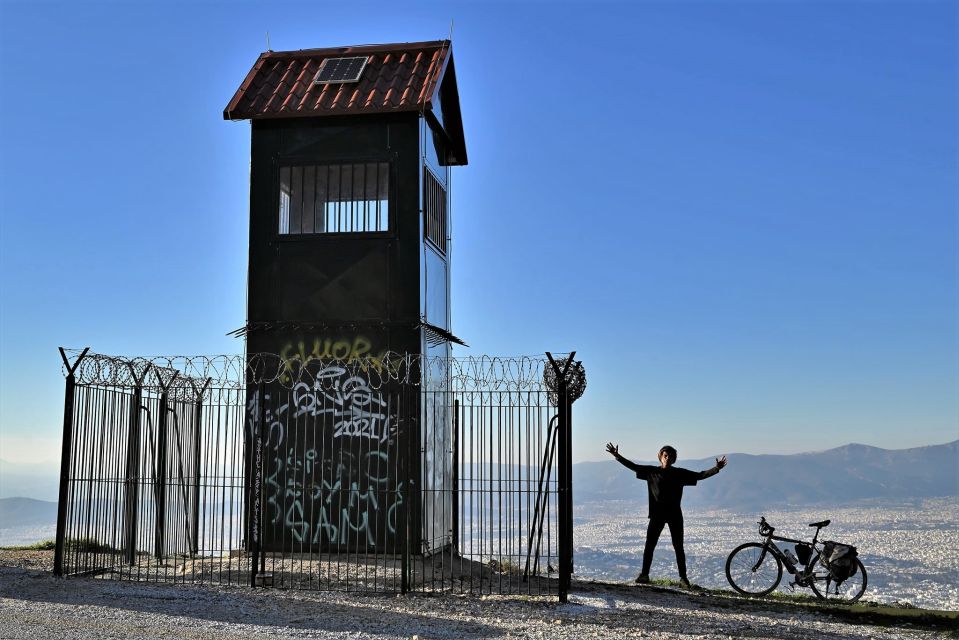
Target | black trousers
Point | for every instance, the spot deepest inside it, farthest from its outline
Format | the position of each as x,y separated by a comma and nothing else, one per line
655,528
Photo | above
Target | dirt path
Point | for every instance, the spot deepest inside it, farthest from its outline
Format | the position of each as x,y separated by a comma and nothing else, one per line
36,605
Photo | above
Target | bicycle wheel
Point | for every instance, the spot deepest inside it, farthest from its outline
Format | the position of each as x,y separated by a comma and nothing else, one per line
849,590
753,571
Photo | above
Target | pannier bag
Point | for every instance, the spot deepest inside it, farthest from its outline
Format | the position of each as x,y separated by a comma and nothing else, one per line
840,559
803,551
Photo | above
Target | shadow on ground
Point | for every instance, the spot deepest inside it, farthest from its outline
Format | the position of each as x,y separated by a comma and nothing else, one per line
228,605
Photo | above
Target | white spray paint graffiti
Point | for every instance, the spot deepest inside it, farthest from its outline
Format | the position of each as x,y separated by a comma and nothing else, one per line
357,409
344,498
312,509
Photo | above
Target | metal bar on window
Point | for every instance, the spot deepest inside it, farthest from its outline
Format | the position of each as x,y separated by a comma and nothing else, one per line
320,199
296,200
309,197
356,197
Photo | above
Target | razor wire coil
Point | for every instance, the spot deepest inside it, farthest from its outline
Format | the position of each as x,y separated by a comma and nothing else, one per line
186,377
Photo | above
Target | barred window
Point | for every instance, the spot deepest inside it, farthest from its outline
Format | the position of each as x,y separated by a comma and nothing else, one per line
334,198
434,211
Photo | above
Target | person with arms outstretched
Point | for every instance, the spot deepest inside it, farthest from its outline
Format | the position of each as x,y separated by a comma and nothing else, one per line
665,484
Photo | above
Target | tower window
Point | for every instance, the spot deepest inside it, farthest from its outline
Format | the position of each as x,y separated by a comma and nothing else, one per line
434,211
334,198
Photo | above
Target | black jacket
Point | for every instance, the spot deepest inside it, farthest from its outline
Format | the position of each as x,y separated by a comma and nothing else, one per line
665,486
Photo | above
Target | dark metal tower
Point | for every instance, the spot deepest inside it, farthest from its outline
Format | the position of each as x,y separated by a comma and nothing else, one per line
349,248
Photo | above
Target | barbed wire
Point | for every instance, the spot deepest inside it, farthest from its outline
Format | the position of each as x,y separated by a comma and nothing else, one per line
575,376
155,371
189,376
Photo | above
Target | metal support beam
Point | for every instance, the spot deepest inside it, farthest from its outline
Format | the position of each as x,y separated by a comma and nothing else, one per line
542,500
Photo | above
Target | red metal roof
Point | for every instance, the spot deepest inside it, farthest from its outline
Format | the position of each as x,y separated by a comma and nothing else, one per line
397,77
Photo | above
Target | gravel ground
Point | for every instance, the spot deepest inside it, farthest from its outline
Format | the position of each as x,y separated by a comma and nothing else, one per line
35,605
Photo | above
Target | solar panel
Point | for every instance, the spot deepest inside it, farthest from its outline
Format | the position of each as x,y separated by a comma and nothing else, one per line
340,70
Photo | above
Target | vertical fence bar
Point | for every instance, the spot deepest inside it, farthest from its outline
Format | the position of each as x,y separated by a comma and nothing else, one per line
405,537
406,409
255,524
455,480
65,455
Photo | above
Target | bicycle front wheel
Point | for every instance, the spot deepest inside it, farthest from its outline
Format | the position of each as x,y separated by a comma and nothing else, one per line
752,570
849,590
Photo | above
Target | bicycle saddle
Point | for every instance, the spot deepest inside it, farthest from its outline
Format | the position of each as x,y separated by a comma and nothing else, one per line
824,523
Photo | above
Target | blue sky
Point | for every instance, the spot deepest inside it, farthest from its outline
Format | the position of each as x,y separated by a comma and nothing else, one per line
741,215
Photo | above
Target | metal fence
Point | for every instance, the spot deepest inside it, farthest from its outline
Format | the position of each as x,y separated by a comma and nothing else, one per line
394,474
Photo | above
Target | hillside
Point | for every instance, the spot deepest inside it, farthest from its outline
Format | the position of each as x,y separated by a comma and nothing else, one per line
26,512
837,476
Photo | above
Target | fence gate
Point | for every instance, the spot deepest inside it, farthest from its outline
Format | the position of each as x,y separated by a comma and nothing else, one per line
395,474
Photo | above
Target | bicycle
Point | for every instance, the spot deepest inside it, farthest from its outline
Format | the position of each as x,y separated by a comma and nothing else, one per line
755,568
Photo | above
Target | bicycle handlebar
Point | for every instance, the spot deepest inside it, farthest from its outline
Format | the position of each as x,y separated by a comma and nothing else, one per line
764,527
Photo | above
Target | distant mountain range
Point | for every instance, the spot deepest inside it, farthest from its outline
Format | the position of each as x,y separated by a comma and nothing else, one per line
33,480
26,512
836,476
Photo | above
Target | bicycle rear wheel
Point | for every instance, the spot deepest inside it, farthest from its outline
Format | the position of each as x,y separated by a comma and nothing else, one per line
752,570
849,590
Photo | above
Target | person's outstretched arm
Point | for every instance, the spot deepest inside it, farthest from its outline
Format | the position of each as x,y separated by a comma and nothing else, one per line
614,450
720,463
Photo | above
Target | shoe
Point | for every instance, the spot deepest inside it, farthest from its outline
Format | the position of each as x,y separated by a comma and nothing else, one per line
642,579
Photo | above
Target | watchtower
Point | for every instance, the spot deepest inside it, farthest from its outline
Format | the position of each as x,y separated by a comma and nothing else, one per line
349,213
350,221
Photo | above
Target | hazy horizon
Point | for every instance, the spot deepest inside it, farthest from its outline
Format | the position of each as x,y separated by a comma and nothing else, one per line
644,455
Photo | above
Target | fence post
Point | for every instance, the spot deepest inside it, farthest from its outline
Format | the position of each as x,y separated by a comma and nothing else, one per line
160,529
564,534
65,456
197,444
565,463
131,485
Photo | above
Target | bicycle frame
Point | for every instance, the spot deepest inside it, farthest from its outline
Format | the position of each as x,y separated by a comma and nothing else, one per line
769,545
